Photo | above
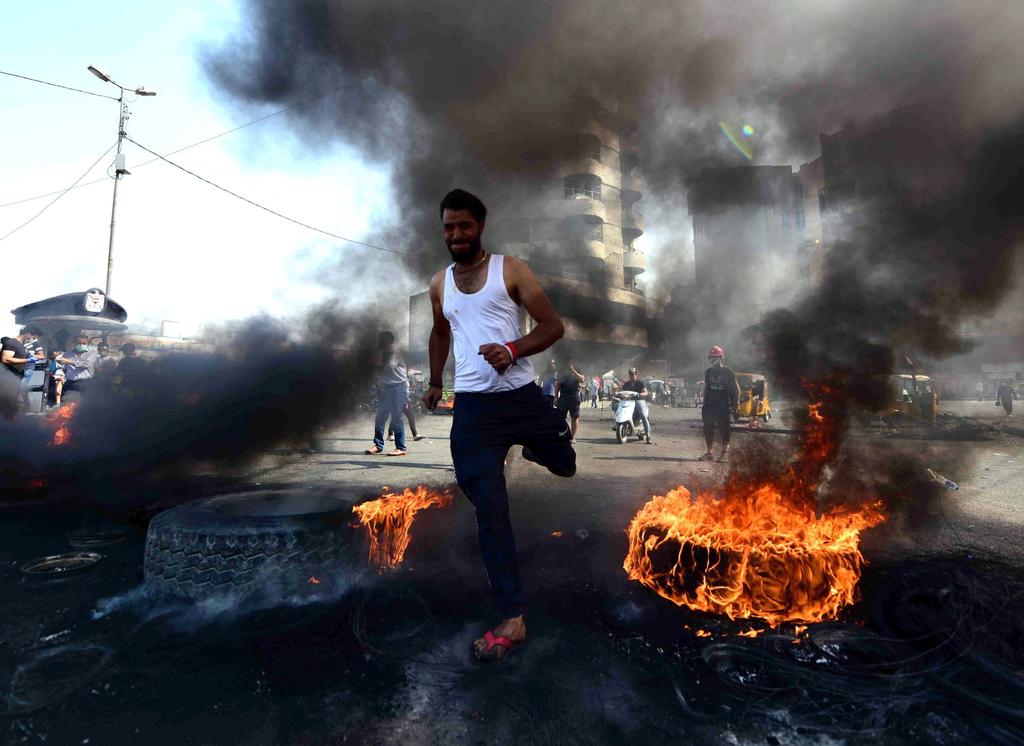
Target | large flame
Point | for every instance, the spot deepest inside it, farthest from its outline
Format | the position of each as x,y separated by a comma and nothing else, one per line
63,416
389,519
756,549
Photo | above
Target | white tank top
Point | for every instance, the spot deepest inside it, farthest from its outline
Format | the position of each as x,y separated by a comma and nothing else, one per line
488,315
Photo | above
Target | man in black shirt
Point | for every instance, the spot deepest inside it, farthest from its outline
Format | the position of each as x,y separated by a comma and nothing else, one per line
721,397
635,383
567,395
1005,396
14,356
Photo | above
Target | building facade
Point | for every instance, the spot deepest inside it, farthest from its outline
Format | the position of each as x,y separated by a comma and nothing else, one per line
748,237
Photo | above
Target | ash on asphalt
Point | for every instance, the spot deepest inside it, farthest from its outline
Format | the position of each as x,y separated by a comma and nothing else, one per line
607,662
928,656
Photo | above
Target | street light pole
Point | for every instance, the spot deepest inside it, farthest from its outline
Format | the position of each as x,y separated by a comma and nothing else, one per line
118,170
119,164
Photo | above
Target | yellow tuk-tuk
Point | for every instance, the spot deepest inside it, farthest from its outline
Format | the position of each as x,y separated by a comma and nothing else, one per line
753,396
913,395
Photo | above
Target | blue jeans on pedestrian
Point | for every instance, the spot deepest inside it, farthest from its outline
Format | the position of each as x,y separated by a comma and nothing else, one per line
24,386
641,406
391,403
486,425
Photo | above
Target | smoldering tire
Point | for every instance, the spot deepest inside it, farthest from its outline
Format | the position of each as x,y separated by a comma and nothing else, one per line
270,542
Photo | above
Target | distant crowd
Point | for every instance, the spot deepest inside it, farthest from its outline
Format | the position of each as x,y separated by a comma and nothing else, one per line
29,367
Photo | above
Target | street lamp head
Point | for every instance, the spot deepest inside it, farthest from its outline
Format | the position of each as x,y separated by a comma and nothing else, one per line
100,74
141,91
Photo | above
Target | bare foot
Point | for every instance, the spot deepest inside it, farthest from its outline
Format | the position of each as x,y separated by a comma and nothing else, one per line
514,629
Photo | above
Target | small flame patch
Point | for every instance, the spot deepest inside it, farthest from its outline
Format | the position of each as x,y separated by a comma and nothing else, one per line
389,519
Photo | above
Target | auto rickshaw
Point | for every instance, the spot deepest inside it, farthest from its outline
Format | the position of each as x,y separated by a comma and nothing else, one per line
913,395
753,396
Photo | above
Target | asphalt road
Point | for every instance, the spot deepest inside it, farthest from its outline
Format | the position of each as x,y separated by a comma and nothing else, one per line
985,514
92,659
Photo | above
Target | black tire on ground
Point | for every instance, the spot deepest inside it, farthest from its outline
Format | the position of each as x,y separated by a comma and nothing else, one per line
622,431
247,543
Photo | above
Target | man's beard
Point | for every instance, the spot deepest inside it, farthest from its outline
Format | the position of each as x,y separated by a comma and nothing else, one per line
467,254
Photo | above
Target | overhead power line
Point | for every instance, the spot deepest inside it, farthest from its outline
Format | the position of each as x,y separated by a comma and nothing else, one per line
267,209
61,194
58,85
264,118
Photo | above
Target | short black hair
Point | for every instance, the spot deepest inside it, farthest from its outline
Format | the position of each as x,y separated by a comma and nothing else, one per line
128,347
459,199
385,338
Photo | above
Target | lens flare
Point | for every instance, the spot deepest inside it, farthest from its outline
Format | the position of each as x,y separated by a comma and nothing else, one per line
738,142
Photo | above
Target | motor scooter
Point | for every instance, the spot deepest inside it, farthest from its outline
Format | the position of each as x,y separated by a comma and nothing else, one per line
627,416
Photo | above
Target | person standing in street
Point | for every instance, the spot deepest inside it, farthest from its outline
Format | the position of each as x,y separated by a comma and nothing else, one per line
79,366
1005,396
637,384
394,393
980,390
549,383
478,302
18,364
567,394
721,398
595,388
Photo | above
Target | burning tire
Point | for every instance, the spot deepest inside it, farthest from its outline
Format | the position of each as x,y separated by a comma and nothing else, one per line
247,542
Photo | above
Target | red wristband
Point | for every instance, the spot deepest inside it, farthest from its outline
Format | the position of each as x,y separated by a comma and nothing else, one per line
512,348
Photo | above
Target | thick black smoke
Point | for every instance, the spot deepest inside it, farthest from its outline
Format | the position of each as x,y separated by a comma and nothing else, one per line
270,384
920,259
484,96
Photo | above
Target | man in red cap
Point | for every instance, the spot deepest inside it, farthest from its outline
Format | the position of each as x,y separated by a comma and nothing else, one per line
721,397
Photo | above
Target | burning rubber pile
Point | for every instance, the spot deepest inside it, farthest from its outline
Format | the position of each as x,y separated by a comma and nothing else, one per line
757,548
389,519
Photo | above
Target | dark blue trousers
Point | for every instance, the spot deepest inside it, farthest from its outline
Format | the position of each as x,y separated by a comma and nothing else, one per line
485,427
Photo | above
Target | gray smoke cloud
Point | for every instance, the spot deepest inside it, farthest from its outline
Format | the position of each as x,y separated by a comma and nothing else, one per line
484,97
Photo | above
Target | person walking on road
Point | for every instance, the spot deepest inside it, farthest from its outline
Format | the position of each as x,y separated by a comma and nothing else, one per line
478,301
721,398
549,383
1005,396
394,393
567,393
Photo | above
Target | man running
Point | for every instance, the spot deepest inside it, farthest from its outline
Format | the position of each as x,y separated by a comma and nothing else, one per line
721,397
479,300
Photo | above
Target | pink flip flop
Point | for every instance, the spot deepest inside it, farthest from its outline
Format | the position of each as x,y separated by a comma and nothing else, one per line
493,640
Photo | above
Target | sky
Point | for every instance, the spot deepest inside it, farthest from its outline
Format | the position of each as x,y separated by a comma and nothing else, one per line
183,250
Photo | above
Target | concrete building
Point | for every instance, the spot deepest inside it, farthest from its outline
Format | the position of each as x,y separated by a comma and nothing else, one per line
748,229
578,232
812,250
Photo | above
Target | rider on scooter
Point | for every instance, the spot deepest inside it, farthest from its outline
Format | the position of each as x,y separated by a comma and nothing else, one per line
636,384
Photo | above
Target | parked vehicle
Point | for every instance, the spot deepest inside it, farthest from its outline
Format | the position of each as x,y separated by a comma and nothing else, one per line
753,397
627,416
